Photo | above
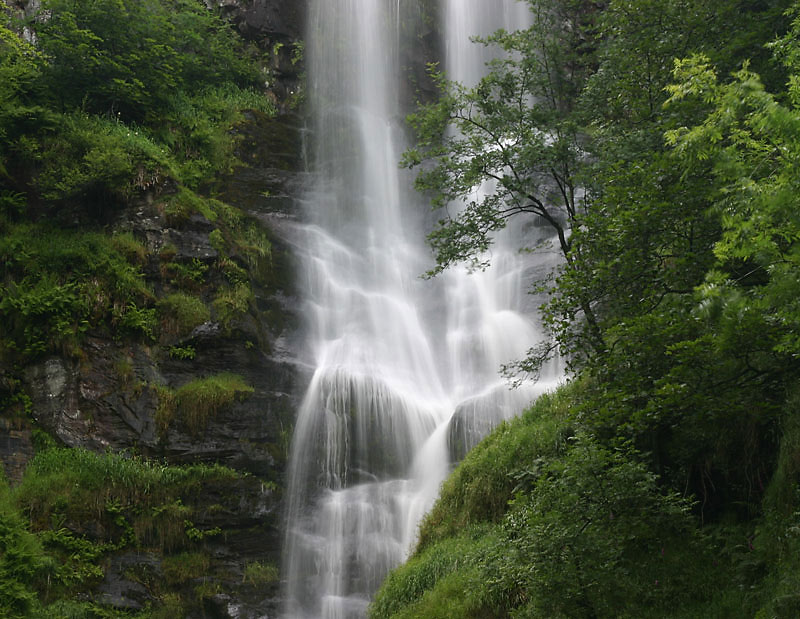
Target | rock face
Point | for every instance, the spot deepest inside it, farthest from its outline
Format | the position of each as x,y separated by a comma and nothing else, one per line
273,19
276,26
107,397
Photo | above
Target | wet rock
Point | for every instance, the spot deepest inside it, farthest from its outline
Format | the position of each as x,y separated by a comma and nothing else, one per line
118,590
16,447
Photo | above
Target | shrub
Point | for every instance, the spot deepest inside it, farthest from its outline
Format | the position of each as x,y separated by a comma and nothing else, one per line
99,161
41,315
61,281
596,537
23,562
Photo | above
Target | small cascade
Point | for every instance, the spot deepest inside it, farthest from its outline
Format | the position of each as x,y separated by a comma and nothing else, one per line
404,371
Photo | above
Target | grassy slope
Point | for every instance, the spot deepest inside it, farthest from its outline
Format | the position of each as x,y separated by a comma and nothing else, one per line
542,521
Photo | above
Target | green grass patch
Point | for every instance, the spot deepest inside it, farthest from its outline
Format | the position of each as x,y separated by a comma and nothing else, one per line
185,567
180,313
542,521
404,589
199,400
181,205
75,485
258,573
480,488
232,303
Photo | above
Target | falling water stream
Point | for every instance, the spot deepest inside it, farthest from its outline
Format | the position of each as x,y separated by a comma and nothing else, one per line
404,371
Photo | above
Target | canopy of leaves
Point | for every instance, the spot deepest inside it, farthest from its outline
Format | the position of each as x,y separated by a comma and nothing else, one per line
670,176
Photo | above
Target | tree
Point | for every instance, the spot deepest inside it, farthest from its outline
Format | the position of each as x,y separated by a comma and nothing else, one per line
515,128
130,58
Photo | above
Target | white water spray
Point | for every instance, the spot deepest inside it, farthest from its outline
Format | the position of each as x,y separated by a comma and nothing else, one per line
405,371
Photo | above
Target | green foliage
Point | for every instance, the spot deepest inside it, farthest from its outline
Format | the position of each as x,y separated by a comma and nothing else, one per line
252,241
232,303
20,65
676,309
118,103
515,128
574,530
133,250
595,537
199,400
97,60
132,319
23,563
42,316
180,313
80,484
479,489
182,352
99,160
185,567
84,506
184,203
93,116
752,143
57,283
258,574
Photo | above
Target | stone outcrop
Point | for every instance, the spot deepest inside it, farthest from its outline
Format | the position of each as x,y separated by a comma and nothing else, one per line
107,397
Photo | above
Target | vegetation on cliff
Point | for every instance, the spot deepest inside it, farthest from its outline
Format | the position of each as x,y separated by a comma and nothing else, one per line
74,510
663,480
92,120
117,119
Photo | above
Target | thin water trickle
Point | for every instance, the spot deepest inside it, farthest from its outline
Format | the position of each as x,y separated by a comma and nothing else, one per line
405,370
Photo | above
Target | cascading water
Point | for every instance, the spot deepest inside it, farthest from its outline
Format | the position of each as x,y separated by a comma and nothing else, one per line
405,371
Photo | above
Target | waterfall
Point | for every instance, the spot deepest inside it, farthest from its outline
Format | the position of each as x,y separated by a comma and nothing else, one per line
404,371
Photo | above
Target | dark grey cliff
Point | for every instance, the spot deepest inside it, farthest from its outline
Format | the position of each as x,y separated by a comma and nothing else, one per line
108,396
